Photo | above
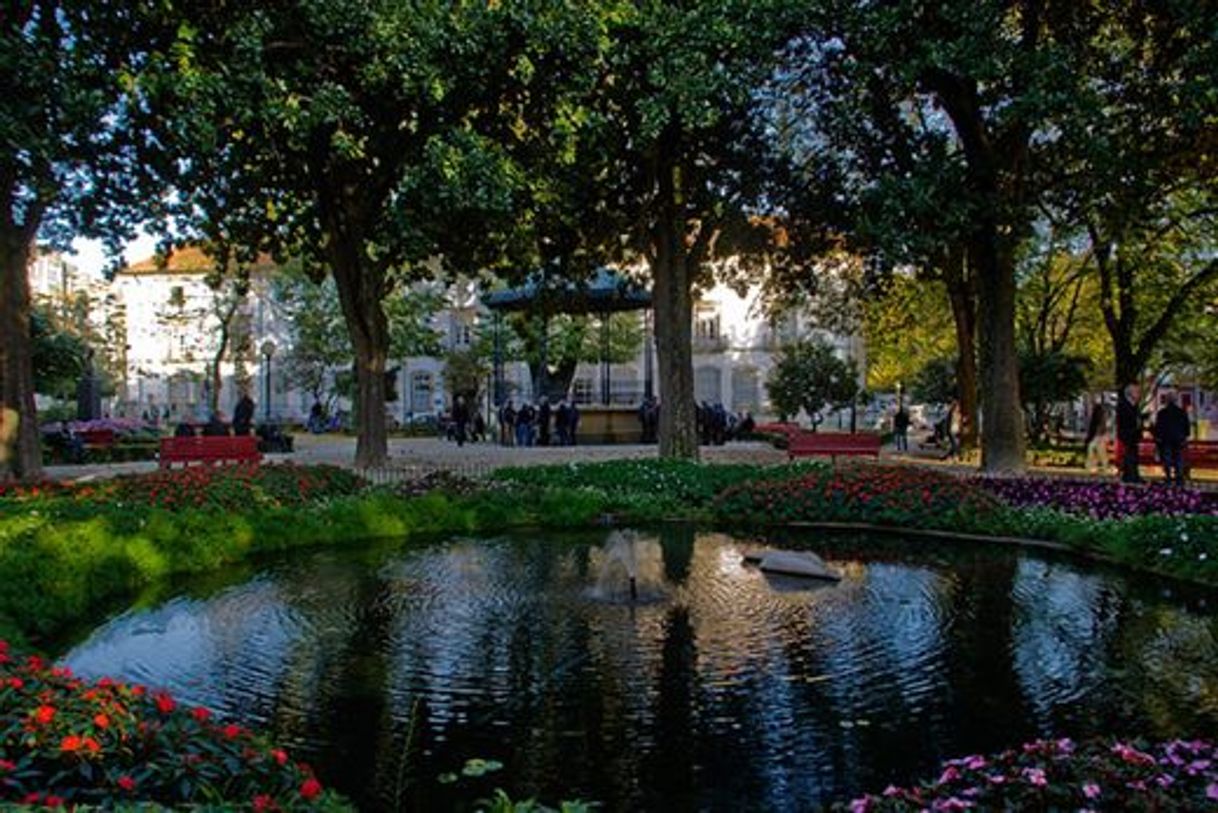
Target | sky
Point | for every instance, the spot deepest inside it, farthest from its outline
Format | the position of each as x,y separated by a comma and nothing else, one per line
90,255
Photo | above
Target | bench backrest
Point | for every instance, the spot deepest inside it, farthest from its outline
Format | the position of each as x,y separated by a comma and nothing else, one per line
97,437
243,447
808,441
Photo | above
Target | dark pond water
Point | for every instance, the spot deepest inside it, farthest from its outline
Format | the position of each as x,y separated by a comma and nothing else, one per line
718,689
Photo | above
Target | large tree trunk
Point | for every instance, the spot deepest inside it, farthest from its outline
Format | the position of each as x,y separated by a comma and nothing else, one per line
361,291
963,296
1003,441
20,450
672,301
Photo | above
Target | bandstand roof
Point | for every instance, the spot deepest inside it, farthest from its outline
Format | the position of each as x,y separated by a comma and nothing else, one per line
605,292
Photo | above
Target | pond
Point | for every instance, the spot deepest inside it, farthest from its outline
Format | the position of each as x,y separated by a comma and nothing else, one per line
716,688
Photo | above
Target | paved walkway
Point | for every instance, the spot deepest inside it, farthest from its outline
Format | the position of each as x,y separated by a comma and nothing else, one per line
408,455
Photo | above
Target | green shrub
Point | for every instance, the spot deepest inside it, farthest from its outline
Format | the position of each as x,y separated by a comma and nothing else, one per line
684,482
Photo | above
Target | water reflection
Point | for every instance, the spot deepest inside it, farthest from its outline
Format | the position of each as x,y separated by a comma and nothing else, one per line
715,688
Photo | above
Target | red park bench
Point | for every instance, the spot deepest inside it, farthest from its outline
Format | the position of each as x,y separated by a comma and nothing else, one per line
1198,454
833,445
209,450
97,438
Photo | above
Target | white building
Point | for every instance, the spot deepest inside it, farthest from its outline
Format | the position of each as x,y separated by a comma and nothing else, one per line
174,329
172,336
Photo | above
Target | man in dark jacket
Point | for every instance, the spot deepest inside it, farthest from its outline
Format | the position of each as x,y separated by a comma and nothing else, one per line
243,415
1129,432
1171,433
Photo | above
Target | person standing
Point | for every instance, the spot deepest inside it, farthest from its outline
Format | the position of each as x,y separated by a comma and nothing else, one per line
1097,437
1172,429
460,419
507,424
900,430
1129,432
243,415
543,422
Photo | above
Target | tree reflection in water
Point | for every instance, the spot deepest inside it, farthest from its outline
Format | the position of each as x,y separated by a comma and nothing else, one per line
388,668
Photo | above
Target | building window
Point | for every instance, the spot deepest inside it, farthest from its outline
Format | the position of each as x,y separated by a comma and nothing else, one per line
707,385
746,393
706,325
581,390
422,387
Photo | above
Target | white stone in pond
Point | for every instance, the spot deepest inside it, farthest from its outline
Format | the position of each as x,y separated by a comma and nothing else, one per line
797,563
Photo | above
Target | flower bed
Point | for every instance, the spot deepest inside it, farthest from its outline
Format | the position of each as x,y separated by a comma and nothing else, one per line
884,495
1099,499
1064,775
66,742
221,487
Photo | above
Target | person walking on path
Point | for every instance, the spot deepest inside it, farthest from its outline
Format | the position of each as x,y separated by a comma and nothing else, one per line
1172,429
951,426
460,419
900,430
1097,437
1129,432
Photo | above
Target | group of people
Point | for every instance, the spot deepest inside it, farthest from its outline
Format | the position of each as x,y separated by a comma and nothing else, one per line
716,425
1170,430
538,424
216,426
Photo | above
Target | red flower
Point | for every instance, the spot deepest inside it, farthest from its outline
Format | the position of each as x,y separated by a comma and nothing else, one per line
311,788
264,803
101,721
164,703
71,744
31,798
15,683
201,714
280,756
91,745
126,783
232,731
54,801
44,714
5,765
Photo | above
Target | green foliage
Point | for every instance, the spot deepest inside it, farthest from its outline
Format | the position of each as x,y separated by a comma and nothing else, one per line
59,356
808,375
935,382
680,485
1048,378
465,372
906,327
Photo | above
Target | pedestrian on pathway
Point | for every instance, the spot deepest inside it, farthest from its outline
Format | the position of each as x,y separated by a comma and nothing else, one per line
1172,430
1097,437
243,414
460,419
1129,432
951,427
900,430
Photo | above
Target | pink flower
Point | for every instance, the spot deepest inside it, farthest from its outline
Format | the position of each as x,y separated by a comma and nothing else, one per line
1035,776
950,774
1091,790
126,783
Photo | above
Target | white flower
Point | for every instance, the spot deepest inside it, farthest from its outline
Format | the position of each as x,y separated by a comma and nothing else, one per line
1165,551
1201,557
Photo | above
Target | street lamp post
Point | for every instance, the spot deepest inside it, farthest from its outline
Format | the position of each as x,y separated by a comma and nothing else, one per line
268,351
